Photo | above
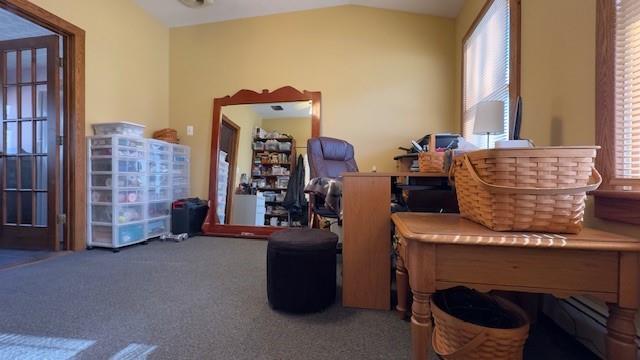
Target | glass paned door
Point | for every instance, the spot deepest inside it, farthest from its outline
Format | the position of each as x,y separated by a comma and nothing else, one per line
29,95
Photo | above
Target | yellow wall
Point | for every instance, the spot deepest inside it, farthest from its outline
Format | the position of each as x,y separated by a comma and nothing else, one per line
127,61
299,128
385,76
247,120
558,77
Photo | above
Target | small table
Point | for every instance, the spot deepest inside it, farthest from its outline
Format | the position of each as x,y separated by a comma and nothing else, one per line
439,251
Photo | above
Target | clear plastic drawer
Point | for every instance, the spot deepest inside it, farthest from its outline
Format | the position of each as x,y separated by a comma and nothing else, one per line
158,167
101,213
124,152
159,209
159,156
158,146
101,180
130,196
101,152
180,158
129,213
101,165
158,180
180,192
130,233
130,165
180,179
101,196
159,194
130,181
133,143
158,227
102,234
180,168
101,141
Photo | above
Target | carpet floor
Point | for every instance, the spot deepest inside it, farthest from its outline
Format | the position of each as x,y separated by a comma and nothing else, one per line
204,298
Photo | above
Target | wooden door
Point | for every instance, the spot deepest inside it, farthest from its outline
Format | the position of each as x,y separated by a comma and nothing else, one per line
229,137
29,157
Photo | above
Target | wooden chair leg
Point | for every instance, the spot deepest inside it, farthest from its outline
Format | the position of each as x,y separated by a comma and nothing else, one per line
621,333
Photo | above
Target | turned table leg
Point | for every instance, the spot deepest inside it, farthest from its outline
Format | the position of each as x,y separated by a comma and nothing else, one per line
402,282
621,333
421,326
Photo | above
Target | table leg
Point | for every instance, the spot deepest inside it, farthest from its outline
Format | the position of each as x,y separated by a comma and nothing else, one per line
621,333
402,285
421,326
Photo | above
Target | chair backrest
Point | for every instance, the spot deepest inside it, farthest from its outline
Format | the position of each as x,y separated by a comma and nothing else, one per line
329,157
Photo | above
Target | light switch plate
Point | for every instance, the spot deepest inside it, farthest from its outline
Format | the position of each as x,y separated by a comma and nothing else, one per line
190,130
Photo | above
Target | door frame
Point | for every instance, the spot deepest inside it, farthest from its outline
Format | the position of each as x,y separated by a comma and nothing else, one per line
74,150
232,165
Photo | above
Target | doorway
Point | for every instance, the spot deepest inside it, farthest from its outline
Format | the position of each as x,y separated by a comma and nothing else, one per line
29,79
42,159
229,133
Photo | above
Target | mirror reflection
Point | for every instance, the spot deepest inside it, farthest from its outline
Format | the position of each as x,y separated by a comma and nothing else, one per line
262,166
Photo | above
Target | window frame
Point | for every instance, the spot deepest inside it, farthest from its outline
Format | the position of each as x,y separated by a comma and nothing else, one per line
514,56
611,202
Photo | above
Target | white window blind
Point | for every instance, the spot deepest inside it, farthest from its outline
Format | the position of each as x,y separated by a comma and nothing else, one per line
486,69
627,92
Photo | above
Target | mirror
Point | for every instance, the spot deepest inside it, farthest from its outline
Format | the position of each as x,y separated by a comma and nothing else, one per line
259,140
260,147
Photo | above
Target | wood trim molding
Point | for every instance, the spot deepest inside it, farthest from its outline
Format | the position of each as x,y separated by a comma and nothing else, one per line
284,94
74,166
515,26
610,203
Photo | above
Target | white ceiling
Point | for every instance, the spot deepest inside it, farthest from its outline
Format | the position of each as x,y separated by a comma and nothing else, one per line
173,13
296,109
15,27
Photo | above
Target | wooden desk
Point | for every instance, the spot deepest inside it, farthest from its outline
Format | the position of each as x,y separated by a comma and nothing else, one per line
438,251
366,263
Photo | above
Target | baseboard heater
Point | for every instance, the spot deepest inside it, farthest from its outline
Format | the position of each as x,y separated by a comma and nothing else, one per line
583,318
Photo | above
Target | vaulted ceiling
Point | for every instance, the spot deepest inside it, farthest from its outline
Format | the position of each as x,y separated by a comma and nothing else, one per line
173,13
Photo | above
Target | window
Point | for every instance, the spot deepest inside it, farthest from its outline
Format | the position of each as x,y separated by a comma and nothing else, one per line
490,53
618,109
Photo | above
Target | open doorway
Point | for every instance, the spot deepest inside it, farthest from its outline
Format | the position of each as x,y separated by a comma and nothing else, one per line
42,152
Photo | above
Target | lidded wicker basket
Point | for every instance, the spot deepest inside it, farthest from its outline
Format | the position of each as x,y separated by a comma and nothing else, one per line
535,189
168,135
455,339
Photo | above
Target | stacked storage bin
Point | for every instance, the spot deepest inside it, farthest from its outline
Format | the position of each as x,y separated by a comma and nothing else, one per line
117,182
223,181
159,191
180,171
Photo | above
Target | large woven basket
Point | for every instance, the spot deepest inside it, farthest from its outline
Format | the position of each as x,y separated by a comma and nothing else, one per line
455,339
538,189
431,161
168,135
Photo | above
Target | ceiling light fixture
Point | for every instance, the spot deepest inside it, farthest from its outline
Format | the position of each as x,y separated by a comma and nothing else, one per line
196,3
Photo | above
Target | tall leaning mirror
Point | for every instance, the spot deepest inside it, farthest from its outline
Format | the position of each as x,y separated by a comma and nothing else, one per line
258,161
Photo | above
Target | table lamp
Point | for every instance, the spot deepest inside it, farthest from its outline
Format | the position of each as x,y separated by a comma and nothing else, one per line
489,119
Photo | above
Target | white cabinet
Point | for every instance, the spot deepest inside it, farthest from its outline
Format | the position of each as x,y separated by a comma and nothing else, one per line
248,210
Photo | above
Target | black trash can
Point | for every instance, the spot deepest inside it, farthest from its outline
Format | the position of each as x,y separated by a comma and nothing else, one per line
187,216
301,270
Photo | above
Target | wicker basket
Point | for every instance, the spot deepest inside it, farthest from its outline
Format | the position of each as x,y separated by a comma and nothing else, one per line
537,189
455,339
168,135
431,161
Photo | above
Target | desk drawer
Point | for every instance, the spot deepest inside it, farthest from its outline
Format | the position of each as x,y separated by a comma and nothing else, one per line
523,268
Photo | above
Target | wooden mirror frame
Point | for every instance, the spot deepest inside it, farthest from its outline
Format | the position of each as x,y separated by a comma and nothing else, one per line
211,227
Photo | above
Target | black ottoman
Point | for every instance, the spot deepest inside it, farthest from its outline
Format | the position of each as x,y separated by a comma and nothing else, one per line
301,270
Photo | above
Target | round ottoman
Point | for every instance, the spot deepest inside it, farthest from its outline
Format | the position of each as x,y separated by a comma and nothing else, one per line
301,270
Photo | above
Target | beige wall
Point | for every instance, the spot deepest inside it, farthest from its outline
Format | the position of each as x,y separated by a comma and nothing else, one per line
247,120
127,61
385,76
298,128
558,76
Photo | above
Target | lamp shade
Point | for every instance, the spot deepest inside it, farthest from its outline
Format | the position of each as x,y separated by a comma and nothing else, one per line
489,118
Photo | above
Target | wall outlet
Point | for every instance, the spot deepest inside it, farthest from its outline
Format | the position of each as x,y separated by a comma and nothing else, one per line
190,130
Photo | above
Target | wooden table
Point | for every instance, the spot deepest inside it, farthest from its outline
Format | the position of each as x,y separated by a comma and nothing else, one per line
366,263
439,251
